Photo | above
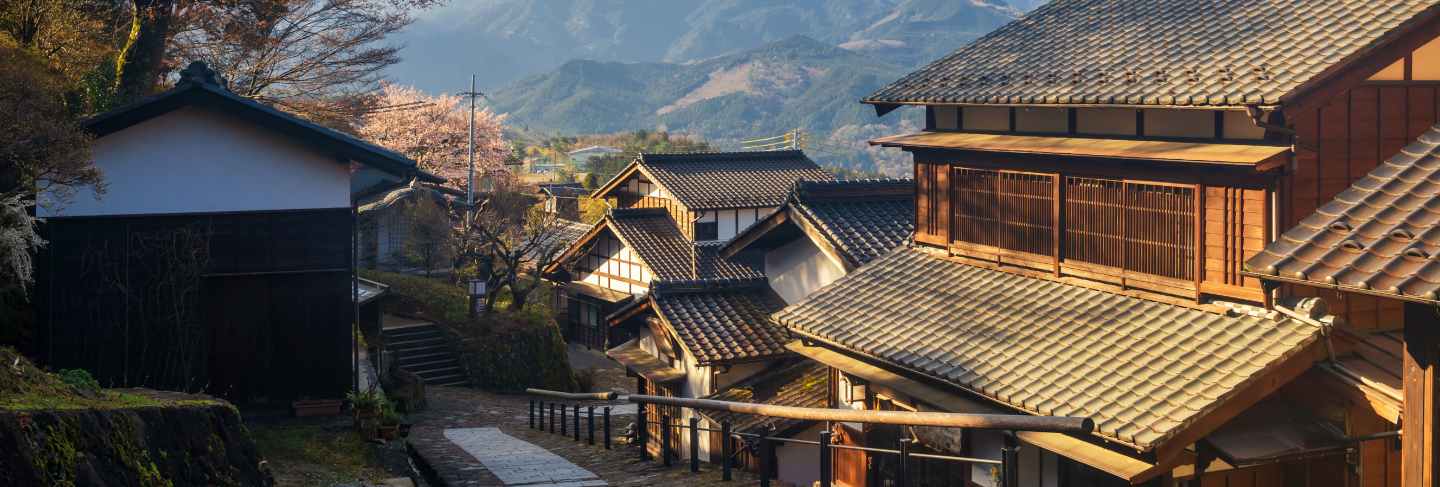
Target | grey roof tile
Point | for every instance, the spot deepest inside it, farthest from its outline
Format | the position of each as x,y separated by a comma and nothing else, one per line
1382,234
1140,369
652,234
803,383
864,219
710,180
1156,52
724,325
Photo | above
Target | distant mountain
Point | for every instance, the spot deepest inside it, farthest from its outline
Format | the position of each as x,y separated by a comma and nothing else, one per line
795,82
504,40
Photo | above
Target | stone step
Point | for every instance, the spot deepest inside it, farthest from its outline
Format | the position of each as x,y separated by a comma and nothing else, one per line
420,356
404,345
436,372
446,380
413,333
440,363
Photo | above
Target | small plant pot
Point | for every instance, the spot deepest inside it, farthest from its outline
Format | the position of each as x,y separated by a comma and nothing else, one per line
316,407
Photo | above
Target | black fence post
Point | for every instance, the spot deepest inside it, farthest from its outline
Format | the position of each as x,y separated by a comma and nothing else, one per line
725,451
563,420
540,414
1009,460
902,478
532,414
643,435
590,425
694,444
607,427
665,438
576,424
767,455
825,470
552,418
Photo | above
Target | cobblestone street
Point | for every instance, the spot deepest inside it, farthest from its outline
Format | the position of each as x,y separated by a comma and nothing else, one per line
456,407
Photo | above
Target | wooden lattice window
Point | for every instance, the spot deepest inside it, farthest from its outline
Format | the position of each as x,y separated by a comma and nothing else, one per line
1141,227
1004,209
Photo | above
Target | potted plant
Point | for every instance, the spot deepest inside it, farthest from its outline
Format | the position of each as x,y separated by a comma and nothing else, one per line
366,406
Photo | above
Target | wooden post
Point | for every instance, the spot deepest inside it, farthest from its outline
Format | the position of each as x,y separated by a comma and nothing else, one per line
563,421
1418,422
826,472
643,434
552,417
767,455
725,451
607,427
532,414
902,479
694,444
665,439
540,414
575,426
1009,463
590,425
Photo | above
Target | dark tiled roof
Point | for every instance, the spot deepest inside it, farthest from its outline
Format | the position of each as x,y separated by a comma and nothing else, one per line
1382,234
707,180
639,361
1181,52
1142,370
724,325
565,233
565,190
652,234
864,219
803,384
201,85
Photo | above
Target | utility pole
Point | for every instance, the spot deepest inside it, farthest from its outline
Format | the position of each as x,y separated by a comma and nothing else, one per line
470,152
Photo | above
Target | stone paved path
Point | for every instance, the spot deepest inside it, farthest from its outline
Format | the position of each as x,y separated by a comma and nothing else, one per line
453,408
518,462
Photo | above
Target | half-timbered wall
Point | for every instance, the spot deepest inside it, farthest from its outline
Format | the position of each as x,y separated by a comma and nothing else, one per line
727,223
639,192
610,264
1176,238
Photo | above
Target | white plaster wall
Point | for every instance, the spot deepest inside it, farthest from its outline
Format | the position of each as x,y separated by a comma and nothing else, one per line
617,263
196,160
798,268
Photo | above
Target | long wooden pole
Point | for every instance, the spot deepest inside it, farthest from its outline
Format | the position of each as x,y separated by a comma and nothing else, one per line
576,396
1015,422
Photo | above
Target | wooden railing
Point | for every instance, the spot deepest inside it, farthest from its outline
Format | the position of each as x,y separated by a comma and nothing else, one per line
766,441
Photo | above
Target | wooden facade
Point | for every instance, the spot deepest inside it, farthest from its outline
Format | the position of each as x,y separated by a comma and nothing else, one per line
1180,236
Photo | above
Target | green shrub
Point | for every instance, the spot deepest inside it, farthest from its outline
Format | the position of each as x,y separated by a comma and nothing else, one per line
423,297
79,379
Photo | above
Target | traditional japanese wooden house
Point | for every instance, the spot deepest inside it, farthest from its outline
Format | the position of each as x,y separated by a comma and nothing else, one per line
219,256
648,281
563,199
1093,179
827,229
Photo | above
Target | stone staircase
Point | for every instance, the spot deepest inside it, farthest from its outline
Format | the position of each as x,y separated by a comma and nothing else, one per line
422,350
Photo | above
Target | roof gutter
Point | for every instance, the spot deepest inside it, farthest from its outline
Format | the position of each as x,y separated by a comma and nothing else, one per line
1338,287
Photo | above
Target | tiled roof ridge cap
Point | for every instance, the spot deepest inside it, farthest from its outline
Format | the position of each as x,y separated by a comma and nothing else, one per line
636,212
660,287
880,188
648,158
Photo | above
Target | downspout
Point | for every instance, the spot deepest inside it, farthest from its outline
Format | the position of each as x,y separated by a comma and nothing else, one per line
354,295
695,249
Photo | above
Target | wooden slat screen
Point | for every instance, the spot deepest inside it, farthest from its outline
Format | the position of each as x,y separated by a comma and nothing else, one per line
1160,230
1003,209
1095,221
1140,227
1026,212
975,203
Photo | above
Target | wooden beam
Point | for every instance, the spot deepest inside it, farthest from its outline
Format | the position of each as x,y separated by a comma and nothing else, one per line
1417,421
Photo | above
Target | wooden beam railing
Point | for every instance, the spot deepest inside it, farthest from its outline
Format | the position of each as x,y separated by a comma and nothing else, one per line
765,441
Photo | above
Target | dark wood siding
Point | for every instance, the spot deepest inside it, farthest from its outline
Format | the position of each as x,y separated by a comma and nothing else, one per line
246,306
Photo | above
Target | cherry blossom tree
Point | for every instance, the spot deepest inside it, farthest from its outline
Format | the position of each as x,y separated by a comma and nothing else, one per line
432,130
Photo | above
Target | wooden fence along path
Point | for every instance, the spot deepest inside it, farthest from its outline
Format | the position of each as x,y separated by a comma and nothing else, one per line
543,415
